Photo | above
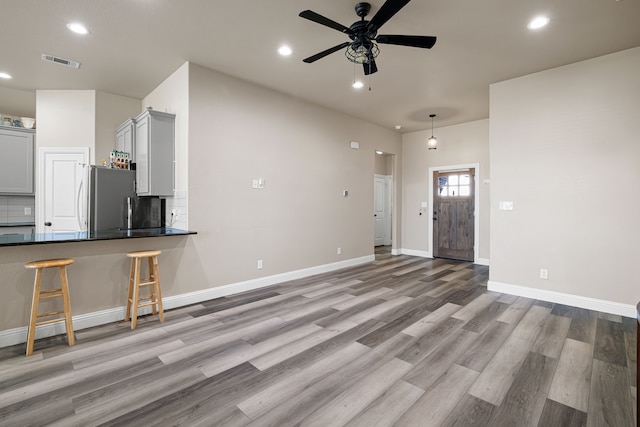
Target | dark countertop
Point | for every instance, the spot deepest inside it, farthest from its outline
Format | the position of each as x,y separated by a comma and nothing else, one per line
84,236
18,224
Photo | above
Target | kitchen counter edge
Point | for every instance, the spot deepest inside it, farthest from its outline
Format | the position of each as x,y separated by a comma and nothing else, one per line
83,236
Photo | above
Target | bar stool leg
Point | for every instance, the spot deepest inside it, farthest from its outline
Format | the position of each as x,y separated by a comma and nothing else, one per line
136,293
156,278
34,312
153,299
130,290
67,305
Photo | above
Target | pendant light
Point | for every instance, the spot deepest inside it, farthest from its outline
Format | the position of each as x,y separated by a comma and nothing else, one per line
432,142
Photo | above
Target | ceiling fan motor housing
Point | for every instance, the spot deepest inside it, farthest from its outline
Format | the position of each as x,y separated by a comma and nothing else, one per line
363,9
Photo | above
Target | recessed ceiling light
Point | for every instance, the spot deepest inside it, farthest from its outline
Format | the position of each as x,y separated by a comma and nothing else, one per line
357,84
379,152
77,28
285,50
538,22
5,75
398,127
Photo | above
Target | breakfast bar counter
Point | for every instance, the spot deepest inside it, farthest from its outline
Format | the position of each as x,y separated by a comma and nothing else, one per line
84,236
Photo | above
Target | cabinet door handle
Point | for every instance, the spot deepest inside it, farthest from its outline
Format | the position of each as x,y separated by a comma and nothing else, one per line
48,224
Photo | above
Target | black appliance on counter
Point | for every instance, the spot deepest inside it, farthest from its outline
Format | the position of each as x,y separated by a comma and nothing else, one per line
145,212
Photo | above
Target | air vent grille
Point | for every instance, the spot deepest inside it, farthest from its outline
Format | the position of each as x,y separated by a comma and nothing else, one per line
66,62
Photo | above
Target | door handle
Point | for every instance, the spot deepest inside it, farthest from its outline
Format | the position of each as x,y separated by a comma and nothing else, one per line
435,218
375,215
48,224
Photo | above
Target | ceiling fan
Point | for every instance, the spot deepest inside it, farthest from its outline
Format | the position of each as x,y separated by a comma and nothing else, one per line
363,47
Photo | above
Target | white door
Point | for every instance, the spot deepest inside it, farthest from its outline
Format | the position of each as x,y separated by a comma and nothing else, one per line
379,211
62,189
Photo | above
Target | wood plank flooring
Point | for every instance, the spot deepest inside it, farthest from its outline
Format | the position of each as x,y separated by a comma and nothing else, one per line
402,341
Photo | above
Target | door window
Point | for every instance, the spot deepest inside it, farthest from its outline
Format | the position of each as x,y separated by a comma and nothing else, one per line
454,185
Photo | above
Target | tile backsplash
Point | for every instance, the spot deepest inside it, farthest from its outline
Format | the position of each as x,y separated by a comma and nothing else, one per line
17,209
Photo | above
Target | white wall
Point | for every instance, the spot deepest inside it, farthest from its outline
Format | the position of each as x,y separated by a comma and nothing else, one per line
565,149
467,143
17,102
66,118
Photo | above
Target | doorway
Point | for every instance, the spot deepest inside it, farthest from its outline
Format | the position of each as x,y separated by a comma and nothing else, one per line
454,204
382,210
383,196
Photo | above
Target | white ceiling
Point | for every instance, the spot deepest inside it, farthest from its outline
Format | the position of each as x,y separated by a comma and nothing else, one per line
135,44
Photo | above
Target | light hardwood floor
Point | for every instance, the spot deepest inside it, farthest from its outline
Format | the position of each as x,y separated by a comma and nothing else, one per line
402,341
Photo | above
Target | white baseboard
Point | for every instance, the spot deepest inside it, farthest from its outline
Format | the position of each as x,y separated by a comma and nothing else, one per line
482,261
19,335
627,310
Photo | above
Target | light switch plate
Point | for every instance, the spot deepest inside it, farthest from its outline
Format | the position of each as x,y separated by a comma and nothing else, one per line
505,206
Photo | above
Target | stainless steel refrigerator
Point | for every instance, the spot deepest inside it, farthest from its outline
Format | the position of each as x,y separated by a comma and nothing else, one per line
108,193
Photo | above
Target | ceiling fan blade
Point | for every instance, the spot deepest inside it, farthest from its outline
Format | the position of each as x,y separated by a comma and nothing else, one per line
324,53
426,42
312,16
390,8
370,67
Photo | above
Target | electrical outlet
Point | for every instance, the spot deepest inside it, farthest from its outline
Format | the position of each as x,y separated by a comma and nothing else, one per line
259,264
255,183
339,251
27,211
544,273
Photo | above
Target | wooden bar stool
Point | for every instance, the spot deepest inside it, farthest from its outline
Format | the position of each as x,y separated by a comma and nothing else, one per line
38,294
134,302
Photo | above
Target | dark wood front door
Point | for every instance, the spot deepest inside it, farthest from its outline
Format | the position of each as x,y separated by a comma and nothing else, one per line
453,214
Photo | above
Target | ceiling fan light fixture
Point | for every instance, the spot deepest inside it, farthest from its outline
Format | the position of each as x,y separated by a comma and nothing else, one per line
357,84
538,22
4,75
360,54
432,142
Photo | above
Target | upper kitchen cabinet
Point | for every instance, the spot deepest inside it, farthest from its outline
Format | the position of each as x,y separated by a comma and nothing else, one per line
125,138
155,153
16,160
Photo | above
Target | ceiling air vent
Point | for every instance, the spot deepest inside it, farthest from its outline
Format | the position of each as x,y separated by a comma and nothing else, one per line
61,61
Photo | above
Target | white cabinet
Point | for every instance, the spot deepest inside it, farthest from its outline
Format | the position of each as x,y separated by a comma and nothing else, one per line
155,153
125,138
16,160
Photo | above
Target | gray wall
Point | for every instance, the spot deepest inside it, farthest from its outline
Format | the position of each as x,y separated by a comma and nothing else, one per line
565,147
239,132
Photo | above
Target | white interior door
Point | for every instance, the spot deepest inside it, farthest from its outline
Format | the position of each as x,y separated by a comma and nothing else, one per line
62,189
379,211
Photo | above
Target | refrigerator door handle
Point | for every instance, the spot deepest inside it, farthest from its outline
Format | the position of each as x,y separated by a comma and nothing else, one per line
79,207
129,213
81,219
